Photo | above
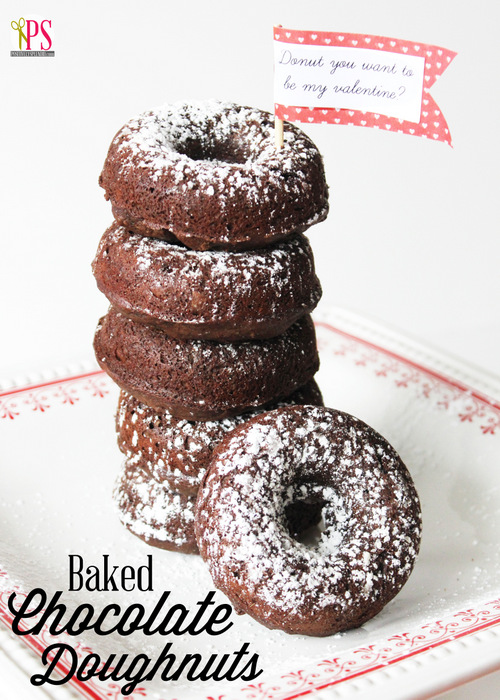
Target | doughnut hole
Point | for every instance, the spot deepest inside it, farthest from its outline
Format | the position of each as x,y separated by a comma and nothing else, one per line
231,151
303,520
310,514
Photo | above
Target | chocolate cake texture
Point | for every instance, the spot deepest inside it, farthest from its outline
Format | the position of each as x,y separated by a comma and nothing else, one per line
176,451
214,295
209,175
371,514
203,379
165,518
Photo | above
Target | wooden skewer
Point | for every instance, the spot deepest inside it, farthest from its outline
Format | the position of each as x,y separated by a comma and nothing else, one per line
278,132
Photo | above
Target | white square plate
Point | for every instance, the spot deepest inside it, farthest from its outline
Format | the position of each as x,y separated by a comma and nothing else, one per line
59,460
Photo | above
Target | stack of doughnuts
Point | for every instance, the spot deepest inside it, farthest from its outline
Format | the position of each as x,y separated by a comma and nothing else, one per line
211,284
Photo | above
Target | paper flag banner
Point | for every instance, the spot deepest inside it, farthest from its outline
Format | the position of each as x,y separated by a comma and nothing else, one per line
360,80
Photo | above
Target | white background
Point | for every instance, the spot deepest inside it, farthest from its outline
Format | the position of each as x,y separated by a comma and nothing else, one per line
412,237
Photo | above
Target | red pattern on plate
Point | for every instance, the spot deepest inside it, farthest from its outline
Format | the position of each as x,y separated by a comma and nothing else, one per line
388,366
362,660
445,393
431,125
40,397
328,672
89,689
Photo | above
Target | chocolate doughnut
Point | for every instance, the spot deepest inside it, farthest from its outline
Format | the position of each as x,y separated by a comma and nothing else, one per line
153,512
203,379
370,509
209,175
176,451
214,295
164,518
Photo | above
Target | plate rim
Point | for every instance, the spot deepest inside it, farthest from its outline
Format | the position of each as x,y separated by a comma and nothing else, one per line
434,363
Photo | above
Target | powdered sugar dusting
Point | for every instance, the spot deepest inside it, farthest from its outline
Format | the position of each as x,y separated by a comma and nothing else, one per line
177,450
164,138
195,287
227,378
151,510
221,156
371,513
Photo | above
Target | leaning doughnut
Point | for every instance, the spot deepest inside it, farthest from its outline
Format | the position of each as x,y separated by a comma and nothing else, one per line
164,518
370,509
209,175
